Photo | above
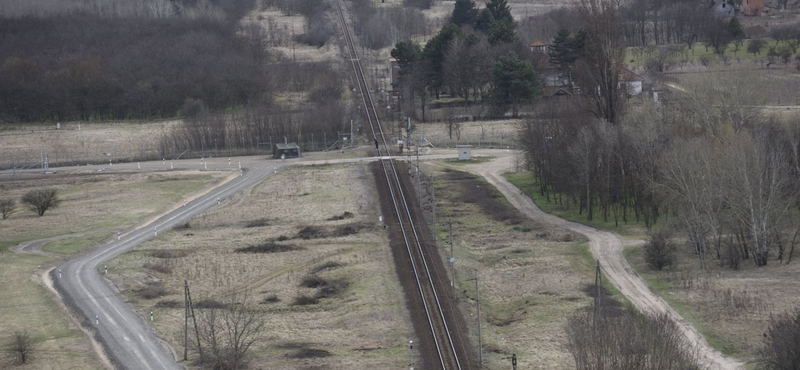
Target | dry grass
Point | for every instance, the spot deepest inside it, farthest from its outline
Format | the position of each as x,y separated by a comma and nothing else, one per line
92,202
530,280
731,308
352,309
96,141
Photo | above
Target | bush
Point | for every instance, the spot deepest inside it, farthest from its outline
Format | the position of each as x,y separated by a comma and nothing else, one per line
270,299
21,345
627,341
41,200
781,343
7,206
659,252
268,247
152,291
304,300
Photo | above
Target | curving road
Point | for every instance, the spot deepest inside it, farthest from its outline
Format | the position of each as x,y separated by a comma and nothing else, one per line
607,248
126,337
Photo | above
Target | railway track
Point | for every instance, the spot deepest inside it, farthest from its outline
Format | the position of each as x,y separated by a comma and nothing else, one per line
445,333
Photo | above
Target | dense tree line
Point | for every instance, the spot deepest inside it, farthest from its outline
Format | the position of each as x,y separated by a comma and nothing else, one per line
728,176
477,55
83,66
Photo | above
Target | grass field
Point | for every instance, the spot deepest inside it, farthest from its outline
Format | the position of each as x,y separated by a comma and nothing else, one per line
698,51
97,203
730,308
532,276
95,142
321,218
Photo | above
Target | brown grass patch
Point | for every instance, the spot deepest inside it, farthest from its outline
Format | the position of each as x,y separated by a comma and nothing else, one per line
152,291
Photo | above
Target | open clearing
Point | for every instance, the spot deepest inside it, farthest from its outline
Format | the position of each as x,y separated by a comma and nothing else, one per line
730,308
95,204
96,142
532,275
302,225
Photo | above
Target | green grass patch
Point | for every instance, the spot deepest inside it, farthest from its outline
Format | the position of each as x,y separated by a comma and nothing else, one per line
526,182
698,51
473,160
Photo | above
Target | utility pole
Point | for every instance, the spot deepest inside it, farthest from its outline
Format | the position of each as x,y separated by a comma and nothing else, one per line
478,303
189,310
452,259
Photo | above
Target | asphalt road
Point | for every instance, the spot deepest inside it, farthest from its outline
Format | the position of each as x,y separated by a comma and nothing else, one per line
127,338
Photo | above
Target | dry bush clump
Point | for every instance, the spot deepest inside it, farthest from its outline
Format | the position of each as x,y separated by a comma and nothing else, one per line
21,345
627,341
304,300
168,303
272,298
160,267
311,353
330,265
327,288
268,247
169,254
152,291
343,216
781,343
261,222
209,303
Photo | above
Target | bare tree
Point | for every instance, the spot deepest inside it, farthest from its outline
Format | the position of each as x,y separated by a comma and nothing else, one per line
7,205
599,69
627,340
757,190
41,200
227,333
21,344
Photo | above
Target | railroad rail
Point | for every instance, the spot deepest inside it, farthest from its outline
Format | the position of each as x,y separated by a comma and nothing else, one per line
446,347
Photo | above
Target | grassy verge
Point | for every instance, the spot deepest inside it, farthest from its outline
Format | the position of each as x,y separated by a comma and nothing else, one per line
527,183
665,289
699,51
532,276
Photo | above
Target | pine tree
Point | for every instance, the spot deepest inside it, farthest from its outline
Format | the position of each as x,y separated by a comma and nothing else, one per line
464,13
500,11
515,82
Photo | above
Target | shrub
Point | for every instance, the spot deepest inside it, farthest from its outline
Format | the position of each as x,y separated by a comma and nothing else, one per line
304,300
781,343
40,200
7,206
659,252
270,299
268,247
152,291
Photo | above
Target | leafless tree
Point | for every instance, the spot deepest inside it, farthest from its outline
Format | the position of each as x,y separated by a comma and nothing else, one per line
627,340
21,344
757,190
228,333
599,69
7,205
40,200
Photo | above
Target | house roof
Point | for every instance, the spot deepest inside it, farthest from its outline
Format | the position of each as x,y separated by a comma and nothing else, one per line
626,75
282,146
537,43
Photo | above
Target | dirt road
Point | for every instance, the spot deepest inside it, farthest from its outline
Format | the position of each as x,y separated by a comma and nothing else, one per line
607,248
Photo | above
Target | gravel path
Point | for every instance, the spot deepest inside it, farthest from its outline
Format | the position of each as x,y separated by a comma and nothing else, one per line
607,248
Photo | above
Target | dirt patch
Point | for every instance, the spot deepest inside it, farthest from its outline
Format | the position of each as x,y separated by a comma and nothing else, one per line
268,247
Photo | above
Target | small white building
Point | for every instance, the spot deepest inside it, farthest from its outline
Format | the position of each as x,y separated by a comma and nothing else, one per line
464,152
631,81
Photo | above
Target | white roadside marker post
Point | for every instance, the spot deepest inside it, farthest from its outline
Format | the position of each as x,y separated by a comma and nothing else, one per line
106,269
138,166
151,316
118,237
97,320
171,166
218,202
59,273
155,231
